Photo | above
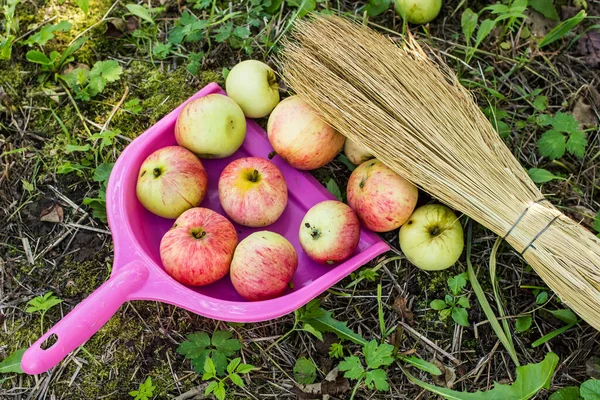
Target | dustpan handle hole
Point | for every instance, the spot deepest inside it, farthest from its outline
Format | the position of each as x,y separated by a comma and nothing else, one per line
51,341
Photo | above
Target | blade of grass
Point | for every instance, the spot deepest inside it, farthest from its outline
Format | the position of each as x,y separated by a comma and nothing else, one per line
485,306
494,281
562,29
380,312
553,334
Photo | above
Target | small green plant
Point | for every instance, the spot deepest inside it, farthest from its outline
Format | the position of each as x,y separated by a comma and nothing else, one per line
336,350
200,346
46,33
589,390
144,392
56,61
41,304
219,386
371,371
87,84
305,371
98,204
454,304
11,28
133,106
565,135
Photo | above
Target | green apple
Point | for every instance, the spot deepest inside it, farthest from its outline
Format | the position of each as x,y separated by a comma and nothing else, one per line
432,238
253,85
356,152
212,126
418,11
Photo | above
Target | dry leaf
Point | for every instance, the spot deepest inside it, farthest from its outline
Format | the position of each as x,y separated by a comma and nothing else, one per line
592,367
539,26
53,214
400,306
332,385
448,376
588,47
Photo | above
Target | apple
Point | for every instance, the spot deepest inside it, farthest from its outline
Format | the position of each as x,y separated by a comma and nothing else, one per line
263,265
252,191
356,152
170,181
300,137
212,126
253,85
199,247
418,11
381,198
432,238
329,232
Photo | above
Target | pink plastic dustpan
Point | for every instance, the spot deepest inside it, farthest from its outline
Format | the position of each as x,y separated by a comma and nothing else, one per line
138,274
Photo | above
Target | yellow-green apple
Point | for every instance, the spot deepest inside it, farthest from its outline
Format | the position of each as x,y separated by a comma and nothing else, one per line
263,265
170,181
212,126
252,191
329,232
356,152
432,238
381,198
253,85
199,247
300,137
418,11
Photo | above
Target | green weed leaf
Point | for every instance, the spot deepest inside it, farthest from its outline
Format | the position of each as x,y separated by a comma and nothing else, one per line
438,305
544,7
12,363
562,29
460,316
531,379
484,30
84,5
140,11
223,342
565,315
46,33
523,323
377,378
577,143
336,350
244,368
566,393
211,387
304,6
377,7
552,144
457,283
552,335
209,369
590,389
378,355
305,371
352,367
323,321
233,365
102,172
468,22
36,56
237,380
311,329
219,391
334,189
540,175
421,364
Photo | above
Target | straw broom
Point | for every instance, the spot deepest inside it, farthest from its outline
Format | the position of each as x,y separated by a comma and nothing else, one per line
414,116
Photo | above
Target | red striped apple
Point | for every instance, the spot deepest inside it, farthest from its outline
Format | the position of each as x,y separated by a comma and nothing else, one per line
300,137
171,180
329,232
252,191
432,238
263,265
381,198
199,247
212,126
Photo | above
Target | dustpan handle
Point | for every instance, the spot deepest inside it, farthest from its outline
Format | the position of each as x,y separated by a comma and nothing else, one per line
85,319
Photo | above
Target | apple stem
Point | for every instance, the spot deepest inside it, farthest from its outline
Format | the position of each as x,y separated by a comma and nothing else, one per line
199,234
272,154
434,231
156,172
254,176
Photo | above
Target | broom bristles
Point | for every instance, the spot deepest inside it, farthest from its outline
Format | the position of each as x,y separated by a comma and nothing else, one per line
414,116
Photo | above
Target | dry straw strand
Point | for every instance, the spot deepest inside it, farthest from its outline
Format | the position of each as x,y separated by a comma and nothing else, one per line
413,115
